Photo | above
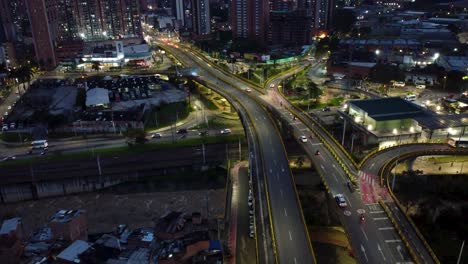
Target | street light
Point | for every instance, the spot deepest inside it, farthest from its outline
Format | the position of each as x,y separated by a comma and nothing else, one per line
445,81
377,52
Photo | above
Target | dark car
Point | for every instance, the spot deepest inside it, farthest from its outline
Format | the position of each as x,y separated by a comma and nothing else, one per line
350,186
182,131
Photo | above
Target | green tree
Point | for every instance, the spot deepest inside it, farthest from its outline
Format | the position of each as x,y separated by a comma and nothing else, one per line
384,73
136,136
314,91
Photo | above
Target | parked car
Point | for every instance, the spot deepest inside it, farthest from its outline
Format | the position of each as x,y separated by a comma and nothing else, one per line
9,158
420,86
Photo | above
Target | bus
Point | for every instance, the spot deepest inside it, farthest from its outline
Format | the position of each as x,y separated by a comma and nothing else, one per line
458,142
410,97
39,144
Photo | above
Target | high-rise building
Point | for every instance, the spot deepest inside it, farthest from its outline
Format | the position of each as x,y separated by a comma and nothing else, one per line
290,28
282,5
201,17
322,12
249,20
42,36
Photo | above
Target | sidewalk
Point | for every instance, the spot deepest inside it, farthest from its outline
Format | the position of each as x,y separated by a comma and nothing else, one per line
232,242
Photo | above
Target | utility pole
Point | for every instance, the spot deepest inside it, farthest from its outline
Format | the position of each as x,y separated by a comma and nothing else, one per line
240,150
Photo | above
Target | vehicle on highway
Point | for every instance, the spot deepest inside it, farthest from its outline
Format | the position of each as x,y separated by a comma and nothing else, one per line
225,131
156,135
458,142
39,144
9,107
350,186
317,153
9,158
340,200
12,125
410,97
248,90
303,139
272,86
5,127
182,131
362,218
326,109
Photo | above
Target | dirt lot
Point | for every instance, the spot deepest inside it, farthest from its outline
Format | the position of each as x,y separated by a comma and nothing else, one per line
107,210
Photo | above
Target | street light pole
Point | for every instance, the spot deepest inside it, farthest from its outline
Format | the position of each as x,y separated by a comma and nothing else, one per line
445,81
461,252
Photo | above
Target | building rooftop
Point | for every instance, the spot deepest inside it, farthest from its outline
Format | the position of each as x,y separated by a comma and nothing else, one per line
9,225
442,121
388,108
71,252
64,216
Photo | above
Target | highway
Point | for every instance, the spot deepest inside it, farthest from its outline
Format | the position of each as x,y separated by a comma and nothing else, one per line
290,234
374,240
373,165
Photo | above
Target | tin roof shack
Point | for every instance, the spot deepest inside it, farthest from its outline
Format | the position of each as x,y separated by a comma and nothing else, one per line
11,233
69,225
141,237
72,252
105,248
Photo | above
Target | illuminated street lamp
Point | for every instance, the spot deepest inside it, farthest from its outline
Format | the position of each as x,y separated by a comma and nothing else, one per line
377,52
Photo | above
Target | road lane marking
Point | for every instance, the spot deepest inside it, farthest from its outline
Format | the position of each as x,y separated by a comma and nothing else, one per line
321,166
282,169
295,261
336,178
386,228
392,240
285,213
376,212
380,218
372,165
364,234
381,252
399,252
350,205
281,192
364,252
290,236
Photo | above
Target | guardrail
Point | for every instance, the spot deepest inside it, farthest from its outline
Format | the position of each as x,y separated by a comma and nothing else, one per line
297,197
343,150
386,169
329,147
399,231
256,85
263,165
377,150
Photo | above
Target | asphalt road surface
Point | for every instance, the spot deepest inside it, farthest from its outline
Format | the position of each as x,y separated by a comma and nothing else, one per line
291,239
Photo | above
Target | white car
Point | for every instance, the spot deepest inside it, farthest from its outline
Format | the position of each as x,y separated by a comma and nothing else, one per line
5,127
248,90
420,86
303,139
226,131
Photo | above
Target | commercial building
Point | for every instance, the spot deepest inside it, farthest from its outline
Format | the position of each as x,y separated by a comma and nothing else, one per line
7,54
72,252
393,120
249,20
69,225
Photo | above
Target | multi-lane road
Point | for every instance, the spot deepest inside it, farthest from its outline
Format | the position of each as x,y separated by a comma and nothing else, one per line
289,232
374,240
